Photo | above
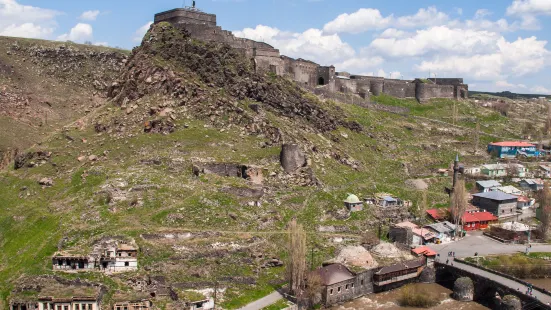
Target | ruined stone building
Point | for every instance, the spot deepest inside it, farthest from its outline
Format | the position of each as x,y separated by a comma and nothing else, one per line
309,74
109,258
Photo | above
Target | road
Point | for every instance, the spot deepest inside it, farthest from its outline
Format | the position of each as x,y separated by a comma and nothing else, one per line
263,302
476,242
504,281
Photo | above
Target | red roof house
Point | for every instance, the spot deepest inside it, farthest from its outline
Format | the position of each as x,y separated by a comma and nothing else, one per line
513,144
438,214
424,250
477,220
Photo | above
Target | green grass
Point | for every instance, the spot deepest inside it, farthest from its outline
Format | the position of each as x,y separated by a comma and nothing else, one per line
279,305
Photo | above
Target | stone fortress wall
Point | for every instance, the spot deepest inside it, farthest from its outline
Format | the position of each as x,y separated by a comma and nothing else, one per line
266,58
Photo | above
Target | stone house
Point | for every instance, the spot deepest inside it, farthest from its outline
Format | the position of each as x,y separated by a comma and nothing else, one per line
119,259
498,203
353,203
23,305
426,252
68,262
339,284
136,302
68,303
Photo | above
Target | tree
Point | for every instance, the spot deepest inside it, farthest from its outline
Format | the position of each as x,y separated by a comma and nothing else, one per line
296,260
313,289
511,171
544,200
458,205
423,205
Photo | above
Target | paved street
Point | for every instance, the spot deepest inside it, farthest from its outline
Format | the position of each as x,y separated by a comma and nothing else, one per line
476,242
263,302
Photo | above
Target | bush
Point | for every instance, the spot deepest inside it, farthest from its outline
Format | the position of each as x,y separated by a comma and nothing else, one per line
412,296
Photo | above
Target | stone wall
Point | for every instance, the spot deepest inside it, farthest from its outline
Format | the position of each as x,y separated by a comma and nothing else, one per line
331,294
399,88
403,235
426,91
345,86
177,16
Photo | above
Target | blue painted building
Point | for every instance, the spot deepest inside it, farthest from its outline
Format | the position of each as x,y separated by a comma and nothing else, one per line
512,149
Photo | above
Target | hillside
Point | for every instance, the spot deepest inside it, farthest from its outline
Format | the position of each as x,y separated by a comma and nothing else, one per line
137,165
45,85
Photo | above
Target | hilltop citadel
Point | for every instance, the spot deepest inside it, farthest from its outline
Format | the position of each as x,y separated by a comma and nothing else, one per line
309,74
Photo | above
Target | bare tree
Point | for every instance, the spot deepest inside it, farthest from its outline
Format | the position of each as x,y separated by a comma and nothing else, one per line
544,200
511,171
296,260
314,287
458,205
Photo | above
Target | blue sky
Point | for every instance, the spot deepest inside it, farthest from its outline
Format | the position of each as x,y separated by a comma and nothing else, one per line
495,45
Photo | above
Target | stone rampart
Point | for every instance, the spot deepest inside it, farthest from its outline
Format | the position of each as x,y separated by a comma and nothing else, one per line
187,16
426,91
399,88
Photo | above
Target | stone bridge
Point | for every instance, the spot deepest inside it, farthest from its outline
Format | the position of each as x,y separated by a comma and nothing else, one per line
488,282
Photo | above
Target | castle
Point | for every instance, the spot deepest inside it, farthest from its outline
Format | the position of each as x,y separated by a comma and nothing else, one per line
324,79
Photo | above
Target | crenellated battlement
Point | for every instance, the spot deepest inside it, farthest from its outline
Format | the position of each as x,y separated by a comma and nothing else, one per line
266,58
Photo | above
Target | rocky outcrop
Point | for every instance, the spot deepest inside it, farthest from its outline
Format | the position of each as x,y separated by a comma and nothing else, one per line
463,289
31,159
510,302
291,158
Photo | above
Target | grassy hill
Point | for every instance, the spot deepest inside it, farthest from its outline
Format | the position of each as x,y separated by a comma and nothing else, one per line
125,169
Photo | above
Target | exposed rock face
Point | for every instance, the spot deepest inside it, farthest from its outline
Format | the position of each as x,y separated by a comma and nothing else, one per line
463,289
291,158
428,275
46,182
221,169
510,302
31,159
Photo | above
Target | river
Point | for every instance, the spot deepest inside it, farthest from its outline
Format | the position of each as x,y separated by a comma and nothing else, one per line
388,300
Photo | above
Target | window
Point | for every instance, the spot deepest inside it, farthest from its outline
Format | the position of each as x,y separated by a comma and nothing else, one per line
126,264
346,287
45,306
65,307
362,282
338,289
331,292
77,307
352,285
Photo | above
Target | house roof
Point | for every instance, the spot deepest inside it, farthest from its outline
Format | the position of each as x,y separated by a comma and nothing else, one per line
334,273
424,250
509,189
488,183
523,199
437,214
513,144
533,181
424,233
400,266
442,227
352,199
407,224
544,167
495,195
390,199
483,216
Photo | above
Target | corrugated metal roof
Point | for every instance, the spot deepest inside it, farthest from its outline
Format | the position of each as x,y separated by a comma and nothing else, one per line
495,195
488,183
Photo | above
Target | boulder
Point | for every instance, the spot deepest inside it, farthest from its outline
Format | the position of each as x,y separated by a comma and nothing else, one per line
510,302
46,182
463,289
291,158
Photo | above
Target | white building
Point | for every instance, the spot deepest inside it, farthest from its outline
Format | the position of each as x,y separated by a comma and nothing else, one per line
71,303
120,259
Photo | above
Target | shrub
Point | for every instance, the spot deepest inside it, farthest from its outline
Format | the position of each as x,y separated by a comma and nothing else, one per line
412,296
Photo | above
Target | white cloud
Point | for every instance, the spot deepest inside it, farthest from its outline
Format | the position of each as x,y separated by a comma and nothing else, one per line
366,19
540,90
90,15
529,7
359,64
25,20
138,35
518,58
504,85
311,44
79,33
393,33
481,13
362,20
436,39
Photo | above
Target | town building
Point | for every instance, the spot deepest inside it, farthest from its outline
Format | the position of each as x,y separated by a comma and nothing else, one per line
544,171
496,202
477,220
23,305
426,252
503,170
68,303
353,203
114,258
339,284
531,184
410,234
120,259
524,202
400,272
509,189
486,186
68,262
472,171
512,149
443,231
131,301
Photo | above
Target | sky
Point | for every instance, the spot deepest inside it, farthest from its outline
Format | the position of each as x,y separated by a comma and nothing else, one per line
494,45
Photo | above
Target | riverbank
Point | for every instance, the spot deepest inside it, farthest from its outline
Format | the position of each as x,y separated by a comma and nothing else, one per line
389,300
